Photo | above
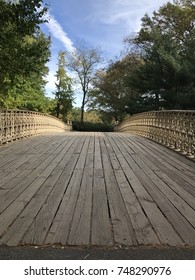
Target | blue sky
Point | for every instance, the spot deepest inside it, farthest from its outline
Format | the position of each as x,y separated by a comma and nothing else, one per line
100,23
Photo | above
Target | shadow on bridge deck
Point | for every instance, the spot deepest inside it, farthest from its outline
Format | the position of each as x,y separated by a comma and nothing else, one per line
95,189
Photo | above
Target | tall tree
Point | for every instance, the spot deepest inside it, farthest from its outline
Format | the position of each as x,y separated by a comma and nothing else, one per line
166,43
63,93
24,50
112,91
84,62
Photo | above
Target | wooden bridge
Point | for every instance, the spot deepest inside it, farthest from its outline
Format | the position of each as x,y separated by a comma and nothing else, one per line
101,189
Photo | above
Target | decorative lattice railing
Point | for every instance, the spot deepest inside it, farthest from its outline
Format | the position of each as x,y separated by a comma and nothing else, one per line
16,124
175,129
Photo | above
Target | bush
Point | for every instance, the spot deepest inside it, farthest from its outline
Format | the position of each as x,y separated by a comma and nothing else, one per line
96,127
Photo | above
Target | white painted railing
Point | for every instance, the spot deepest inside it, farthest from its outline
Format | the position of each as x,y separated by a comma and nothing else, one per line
175,129
16,124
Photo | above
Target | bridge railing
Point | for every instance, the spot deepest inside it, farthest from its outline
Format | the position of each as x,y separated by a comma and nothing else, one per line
16,124
175,129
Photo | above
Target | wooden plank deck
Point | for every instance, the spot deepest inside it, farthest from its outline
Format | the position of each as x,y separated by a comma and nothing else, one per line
101,189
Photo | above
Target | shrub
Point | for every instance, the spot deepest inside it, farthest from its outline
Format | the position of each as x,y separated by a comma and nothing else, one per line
96,127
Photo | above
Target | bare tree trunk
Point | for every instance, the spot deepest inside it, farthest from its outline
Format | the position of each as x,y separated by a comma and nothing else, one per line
82,114
82,108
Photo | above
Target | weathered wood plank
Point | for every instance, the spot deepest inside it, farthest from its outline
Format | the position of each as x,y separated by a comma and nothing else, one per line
170,164
22,223
97,159
159,166
99,189
66,209
101,224
163,228
66,181
144,232
122,227
184,229
80,232
172,191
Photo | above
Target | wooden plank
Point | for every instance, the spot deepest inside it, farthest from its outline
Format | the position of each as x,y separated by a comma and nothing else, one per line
186,209
40,154
18,187
17,230
184,229
44,219
171,164
80,231
173,192
122,227
80,144
144,232
173,156
121,224
70,147
63,216
65,212
180,187
158,167
83,154
163,228
95,189
113,158
21,194
101,225
21,184
97,159
91,144
37,232
19,151
8,216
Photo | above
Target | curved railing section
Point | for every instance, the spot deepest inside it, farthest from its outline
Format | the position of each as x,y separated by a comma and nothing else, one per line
175,129
16,124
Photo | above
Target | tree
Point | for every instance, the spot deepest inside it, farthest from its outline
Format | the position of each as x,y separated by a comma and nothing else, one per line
84,61
63,93
24,50
90,115
166,41
112,90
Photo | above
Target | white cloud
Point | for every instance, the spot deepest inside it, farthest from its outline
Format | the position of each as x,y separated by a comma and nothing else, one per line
128,12
57,31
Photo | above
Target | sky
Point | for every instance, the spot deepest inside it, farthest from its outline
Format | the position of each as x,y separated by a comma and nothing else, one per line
99,23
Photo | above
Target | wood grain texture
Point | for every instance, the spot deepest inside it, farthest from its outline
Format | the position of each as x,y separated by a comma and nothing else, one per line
95,189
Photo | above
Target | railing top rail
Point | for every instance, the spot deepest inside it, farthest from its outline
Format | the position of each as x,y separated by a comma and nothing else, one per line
161,112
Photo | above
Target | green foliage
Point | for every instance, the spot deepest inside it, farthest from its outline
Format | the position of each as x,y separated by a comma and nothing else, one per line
90,116
96,127
112,90
24,51
63,93
166,45
74,114
158,71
